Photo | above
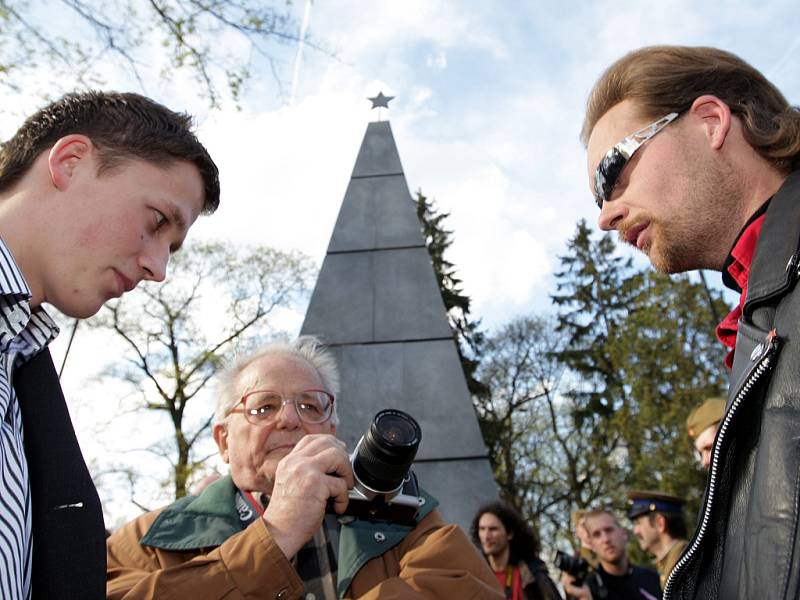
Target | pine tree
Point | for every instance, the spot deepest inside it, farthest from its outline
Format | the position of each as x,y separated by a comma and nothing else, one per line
641,353
468,335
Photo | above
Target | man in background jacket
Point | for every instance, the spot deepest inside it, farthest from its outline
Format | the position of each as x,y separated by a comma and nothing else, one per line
511,548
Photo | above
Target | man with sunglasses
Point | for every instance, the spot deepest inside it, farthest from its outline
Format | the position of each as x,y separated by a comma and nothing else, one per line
693,158
263,532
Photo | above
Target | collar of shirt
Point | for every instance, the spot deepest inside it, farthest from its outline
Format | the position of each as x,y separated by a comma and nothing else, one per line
664,554
735,273
22,331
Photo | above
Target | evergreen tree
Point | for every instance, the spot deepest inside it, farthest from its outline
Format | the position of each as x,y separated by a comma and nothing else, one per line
468,335
594,292
641,352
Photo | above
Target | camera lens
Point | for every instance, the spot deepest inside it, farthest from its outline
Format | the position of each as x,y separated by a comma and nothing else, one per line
396,429
387,450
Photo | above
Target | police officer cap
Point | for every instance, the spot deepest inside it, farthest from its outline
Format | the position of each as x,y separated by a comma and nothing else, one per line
704,416
643,502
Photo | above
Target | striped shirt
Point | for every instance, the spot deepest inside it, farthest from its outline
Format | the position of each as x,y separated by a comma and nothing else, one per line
22,335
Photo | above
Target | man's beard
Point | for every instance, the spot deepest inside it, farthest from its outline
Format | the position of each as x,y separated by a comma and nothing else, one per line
674,250
494,550
698,237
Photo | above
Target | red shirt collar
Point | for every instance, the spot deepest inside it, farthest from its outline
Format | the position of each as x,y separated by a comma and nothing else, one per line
735,274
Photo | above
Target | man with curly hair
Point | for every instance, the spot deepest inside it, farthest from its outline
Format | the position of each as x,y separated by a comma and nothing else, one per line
512,549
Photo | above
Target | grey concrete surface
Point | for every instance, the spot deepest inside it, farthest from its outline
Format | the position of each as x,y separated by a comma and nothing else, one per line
374,215
378,154
378,296
461,486
423,379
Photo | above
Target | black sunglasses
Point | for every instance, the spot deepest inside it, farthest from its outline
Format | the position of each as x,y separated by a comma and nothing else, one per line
609,169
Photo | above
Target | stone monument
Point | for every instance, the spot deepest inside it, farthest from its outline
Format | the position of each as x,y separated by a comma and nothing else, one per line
377,304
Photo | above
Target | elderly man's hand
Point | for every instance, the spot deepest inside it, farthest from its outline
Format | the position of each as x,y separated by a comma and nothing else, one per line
317,469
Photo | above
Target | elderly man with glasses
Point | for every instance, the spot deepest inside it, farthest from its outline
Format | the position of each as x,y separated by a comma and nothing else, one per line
263,531
694,158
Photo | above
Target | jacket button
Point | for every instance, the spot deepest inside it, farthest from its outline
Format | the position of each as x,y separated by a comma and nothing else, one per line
379,537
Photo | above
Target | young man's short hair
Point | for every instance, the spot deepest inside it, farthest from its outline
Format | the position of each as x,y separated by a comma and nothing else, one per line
121,126
599,512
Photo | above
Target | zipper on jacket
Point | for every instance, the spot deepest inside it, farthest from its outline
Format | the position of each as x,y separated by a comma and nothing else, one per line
762,365
793,266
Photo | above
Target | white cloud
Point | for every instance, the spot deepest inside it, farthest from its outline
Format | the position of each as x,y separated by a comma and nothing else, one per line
383,27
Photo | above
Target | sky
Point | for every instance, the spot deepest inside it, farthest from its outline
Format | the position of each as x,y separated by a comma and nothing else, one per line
488,108
489,101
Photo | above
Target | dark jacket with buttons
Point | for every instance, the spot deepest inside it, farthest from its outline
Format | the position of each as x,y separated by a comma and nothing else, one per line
747,544
68,532
196,548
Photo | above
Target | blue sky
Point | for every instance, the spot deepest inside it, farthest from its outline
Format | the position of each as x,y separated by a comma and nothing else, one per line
488,110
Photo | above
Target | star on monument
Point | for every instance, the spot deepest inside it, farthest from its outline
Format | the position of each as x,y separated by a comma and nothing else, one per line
380,100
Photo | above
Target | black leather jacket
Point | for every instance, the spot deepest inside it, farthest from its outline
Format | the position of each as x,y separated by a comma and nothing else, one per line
747,544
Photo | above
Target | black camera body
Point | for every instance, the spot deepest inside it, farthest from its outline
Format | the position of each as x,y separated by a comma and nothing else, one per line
385,487
400,508
574,565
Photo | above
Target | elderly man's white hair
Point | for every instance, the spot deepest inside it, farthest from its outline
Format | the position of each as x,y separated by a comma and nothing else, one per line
306,347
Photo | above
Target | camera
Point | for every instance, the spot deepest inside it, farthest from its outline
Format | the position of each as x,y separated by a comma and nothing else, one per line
574,565
385,487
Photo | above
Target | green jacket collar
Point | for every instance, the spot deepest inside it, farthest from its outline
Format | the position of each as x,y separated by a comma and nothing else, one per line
197,522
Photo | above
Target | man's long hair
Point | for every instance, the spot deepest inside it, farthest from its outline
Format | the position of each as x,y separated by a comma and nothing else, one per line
524,545
663,79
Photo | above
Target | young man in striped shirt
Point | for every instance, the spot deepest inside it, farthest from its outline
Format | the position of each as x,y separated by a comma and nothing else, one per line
96,190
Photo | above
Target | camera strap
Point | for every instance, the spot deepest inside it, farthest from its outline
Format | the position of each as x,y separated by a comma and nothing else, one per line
509,581
248,508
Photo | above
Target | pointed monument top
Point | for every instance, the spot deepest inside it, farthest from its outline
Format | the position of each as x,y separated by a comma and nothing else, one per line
380,100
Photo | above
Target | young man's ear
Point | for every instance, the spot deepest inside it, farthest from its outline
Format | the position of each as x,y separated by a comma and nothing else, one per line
66,155
715,117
